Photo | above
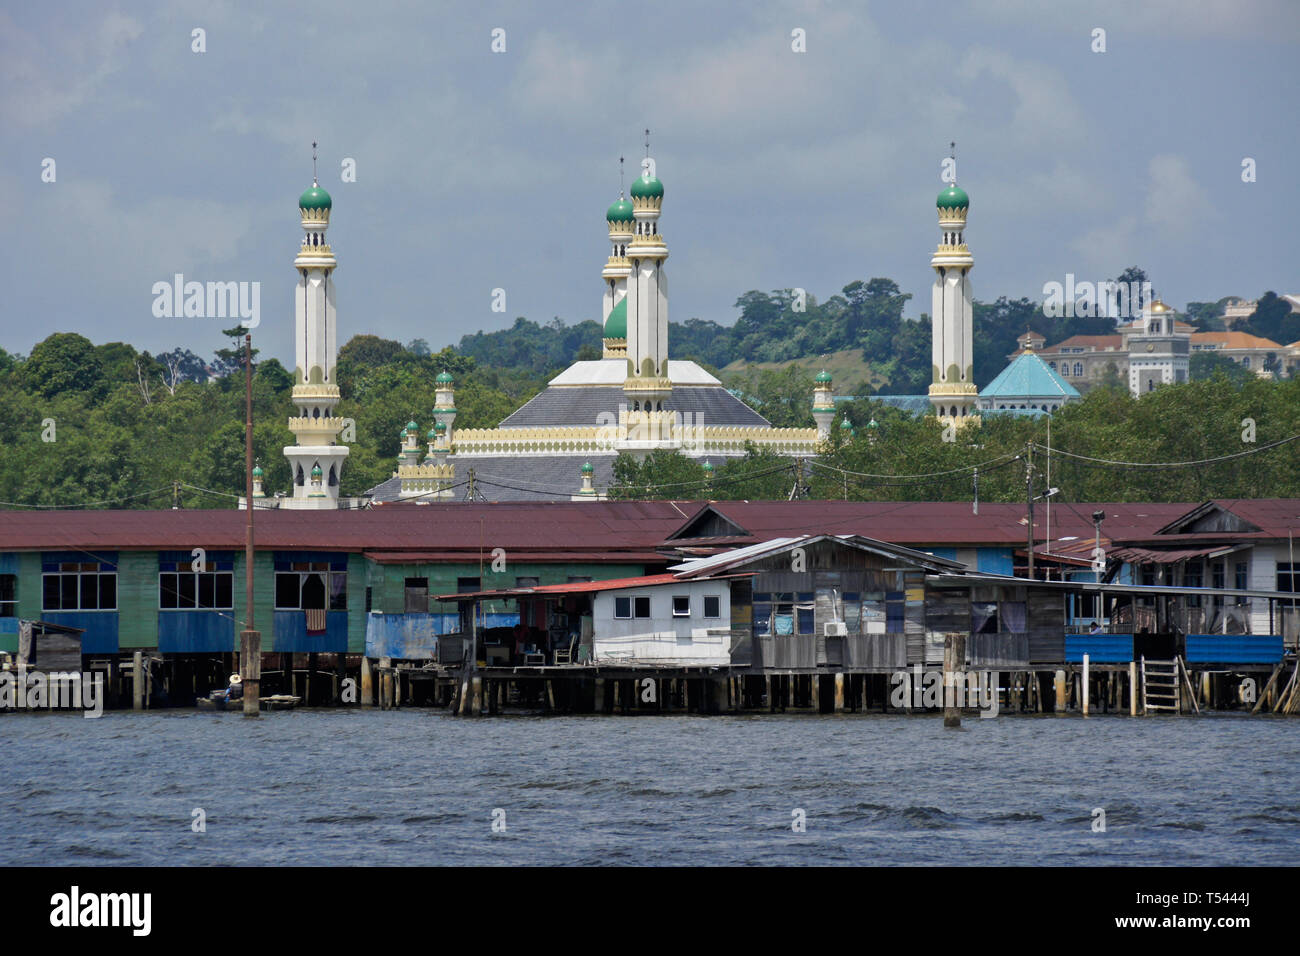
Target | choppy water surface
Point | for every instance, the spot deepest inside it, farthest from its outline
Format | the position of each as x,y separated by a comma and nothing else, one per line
420,787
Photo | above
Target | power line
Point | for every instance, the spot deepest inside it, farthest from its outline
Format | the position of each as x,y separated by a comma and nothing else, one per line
88,504
1108,462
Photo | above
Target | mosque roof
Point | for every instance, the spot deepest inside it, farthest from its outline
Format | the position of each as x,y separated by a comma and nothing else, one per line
1028,375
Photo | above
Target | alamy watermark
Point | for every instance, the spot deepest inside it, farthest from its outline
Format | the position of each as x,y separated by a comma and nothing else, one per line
1119,300
36,690
212,300
920,689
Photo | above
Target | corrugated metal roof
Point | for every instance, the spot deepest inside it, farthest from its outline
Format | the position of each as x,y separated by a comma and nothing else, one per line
586,526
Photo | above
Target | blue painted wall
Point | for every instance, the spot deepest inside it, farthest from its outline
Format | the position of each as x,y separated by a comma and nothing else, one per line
407,636
1100,648
994,560
100,628
196,632
290,633
1234,648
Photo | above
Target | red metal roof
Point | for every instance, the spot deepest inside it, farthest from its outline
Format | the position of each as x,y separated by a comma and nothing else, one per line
930,523
587,526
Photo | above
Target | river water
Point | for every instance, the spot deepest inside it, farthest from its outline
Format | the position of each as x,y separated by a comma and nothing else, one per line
417,786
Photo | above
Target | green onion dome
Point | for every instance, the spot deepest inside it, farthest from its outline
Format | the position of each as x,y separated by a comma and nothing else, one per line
823,376
412,427
587,469
647,187
954,197
708,467
616,324
440,427
315,198
257,471
621,211
432,434
444,378
315,471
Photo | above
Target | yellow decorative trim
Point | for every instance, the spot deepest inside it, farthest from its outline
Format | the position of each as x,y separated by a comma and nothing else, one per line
955,389
951,250
618,262
315,215
952,214
303,390
647,203
321,250
622,228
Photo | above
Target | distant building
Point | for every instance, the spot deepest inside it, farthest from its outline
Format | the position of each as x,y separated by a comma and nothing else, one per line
1027,385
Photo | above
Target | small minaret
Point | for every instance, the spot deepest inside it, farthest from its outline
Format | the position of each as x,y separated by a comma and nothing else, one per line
823,405
410,453
622,228
647,386
588,490
315,390
257,482
953,393
444,412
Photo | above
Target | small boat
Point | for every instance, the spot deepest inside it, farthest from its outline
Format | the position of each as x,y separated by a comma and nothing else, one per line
279,702
217,701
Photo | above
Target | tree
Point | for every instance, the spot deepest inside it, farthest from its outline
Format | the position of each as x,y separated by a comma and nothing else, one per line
1273,319
1205,365
418,347
63,362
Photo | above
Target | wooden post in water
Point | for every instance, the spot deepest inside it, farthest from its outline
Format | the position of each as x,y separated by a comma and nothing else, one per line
1084,685
137,681
839,693
1132,688
1060,691
954,658
367,684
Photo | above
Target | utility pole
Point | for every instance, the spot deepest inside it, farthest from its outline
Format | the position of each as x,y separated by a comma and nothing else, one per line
1029,502
250,641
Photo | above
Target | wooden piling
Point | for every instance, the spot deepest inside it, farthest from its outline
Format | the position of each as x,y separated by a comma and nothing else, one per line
137,681
1132,688
367,683
1084,685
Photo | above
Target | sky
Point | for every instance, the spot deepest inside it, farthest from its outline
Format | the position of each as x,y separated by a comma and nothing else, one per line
479,169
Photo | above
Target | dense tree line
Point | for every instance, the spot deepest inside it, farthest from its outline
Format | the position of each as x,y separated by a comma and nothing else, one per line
83,423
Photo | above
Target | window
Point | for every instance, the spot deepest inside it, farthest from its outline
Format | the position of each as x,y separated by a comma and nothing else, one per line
8,595
1078,369
527,582
189,590
311,586
642,606
712,606
1065,369
804,609
467,585
370,603
417,595
622,608
1288,577
80,586
1217,574
983,617
681,605
1192,578
1242,576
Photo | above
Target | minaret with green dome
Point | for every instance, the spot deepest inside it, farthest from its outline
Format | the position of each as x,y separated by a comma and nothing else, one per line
647,386
952,391
823,405
315,391
621,219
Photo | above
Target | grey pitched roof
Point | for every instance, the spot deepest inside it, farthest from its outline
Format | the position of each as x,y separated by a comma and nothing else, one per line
582,406
525,477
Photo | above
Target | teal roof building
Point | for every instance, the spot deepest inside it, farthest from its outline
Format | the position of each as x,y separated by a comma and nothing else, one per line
1026,385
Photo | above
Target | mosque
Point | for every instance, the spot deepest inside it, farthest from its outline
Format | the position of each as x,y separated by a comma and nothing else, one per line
562,444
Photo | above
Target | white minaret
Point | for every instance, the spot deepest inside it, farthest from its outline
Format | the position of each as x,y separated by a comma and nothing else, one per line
953,393
315,390
647,385
621,221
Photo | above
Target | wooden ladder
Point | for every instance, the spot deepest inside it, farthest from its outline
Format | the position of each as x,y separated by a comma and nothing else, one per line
1159,686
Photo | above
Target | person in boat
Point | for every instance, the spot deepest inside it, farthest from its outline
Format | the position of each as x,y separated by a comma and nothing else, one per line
236,689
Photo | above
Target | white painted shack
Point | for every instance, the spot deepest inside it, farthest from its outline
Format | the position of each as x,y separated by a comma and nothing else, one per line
682,622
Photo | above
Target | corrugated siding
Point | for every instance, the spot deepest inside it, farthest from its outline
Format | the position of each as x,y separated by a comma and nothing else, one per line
137,599
1234,648
196,632
1100,648
403,636
998,650
1046,646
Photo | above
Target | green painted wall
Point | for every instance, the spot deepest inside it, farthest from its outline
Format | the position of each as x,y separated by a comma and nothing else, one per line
137,599
388,581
